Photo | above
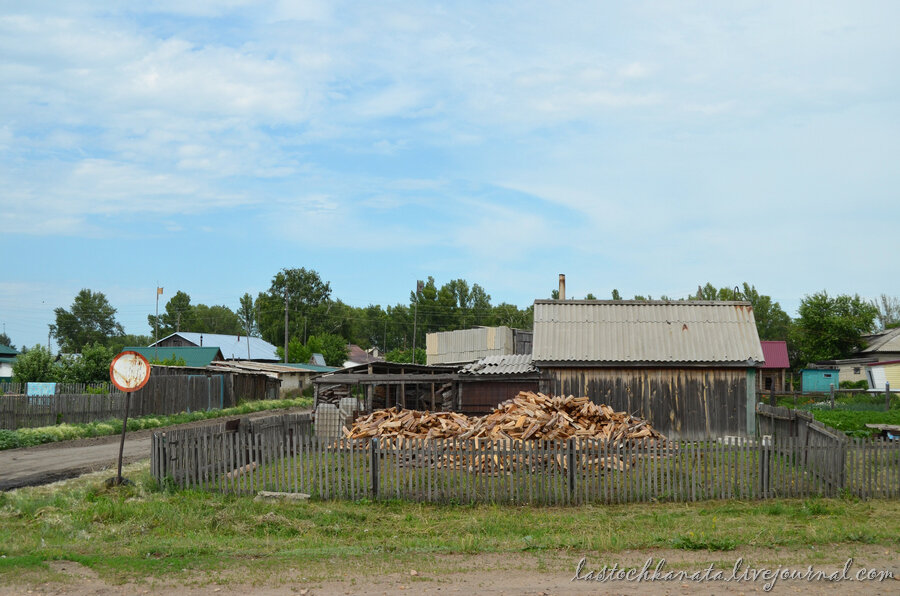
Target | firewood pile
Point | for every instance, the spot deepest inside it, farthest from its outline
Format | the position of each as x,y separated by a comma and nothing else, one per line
528,416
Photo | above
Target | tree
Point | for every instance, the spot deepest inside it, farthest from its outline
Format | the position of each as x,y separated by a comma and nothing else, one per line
830,328
616,295
399,355
332,347
117,344
216,319
92,366
306,292
91,319
247,314
888,312
5,341
771,320
179,315
34,366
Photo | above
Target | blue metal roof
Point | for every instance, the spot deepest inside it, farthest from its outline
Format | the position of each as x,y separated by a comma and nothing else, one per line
234,347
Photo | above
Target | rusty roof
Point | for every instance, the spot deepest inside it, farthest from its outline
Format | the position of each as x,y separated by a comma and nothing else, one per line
655,332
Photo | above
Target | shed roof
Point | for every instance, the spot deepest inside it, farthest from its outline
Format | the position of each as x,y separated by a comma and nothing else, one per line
655,332
234,347
7,351
192,356
506,364
887,341
775,354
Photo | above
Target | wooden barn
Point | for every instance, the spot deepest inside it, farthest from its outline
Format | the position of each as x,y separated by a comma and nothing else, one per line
483,385
687,366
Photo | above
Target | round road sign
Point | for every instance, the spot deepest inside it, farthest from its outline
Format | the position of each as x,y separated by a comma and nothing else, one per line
129,371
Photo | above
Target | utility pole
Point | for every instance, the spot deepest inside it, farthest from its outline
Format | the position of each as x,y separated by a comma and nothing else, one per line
159,291
285,322
419,287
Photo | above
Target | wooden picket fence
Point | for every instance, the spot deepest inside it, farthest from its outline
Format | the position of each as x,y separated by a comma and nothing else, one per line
538,472
12,388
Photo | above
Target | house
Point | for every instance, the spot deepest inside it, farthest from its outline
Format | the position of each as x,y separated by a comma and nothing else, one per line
356,355
484,384
879,373
193,356
7,357
234,347
294,377
772,371
882,346
469,345
689,367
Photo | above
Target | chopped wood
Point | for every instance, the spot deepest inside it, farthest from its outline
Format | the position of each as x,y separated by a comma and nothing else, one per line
528,416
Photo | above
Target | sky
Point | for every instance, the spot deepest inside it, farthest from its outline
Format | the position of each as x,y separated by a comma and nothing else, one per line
643,146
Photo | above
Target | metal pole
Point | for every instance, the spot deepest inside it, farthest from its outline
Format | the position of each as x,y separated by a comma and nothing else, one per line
119,479
832,396
415,323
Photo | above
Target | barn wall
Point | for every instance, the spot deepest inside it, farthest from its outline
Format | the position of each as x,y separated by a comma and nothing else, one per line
482,397
691,403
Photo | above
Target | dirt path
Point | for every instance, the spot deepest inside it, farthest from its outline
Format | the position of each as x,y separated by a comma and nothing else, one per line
513,573
50,462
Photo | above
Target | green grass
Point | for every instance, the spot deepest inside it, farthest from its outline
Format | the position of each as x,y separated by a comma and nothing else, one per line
28,437
140,532
853,422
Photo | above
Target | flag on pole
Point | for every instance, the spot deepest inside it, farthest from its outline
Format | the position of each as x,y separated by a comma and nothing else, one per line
158,291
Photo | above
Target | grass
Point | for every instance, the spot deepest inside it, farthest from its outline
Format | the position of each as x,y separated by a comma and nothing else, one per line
28,437
139,532
851,413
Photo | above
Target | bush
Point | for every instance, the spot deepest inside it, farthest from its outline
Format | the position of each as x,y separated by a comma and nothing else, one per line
861,384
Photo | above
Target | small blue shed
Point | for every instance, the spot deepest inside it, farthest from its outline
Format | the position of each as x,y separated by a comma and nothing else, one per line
818,380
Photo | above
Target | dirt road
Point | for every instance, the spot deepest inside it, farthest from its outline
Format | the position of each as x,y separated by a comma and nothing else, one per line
31,466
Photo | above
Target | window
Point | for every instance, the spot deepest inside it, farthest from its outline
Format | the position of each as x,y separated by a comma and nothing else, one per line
856,370
827,375
768,382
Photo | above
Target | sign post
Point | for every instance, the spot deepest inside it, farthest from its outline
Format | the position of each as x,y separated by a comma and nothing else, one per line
129,371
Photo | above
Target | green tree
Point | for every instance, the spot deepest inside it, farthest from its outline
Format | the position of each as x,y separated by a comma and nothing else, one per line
216,319
178,315
830,328
332,347
117,344
5,341
772,323
400,355
91,319
34,366
616,295
92,366
247,314
306,292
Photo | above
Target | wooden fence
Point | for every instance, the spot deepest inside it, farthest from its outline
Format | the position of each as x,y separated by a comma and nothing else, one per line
8,387
540,472
162,395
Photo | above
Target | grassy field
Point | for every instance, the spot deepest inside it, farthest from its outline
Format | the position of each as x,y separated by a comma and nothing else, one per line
139,532
28,437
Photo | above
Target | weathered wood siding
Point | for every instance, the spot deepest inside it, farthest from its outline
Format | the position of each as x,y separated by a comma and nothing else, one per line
690,403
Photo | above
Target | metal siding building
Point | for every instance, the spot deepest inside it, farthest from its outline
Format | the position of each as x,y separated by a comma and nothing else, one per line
819,380
689,366
485,384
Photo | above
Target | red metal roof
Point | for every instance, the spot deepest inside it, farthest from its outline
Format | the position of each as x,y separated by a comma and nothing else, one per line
775,354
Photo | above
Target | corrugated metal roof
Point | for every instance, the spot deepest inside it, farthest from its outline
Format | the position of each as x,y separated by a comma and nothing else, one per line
644,331
274,367
234,347
888,341
196,357
7,351
468,345
775,354
507,364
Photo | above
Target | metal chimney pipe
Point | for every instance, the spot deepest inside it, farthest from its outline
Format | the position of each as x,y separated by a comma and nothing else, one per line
562,286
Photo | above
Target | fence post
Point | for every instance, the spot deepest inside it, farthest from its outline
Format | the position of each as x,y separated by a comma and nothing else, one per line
887,396
571,464
373,450
764,467
832,396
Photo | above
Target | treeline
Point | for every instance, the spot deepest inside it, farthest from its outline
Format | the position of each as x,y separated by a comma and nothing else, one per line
826,327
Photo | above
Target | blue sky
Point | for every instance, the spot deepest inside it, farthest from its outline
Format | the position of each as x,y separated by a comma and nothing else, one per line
644,146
